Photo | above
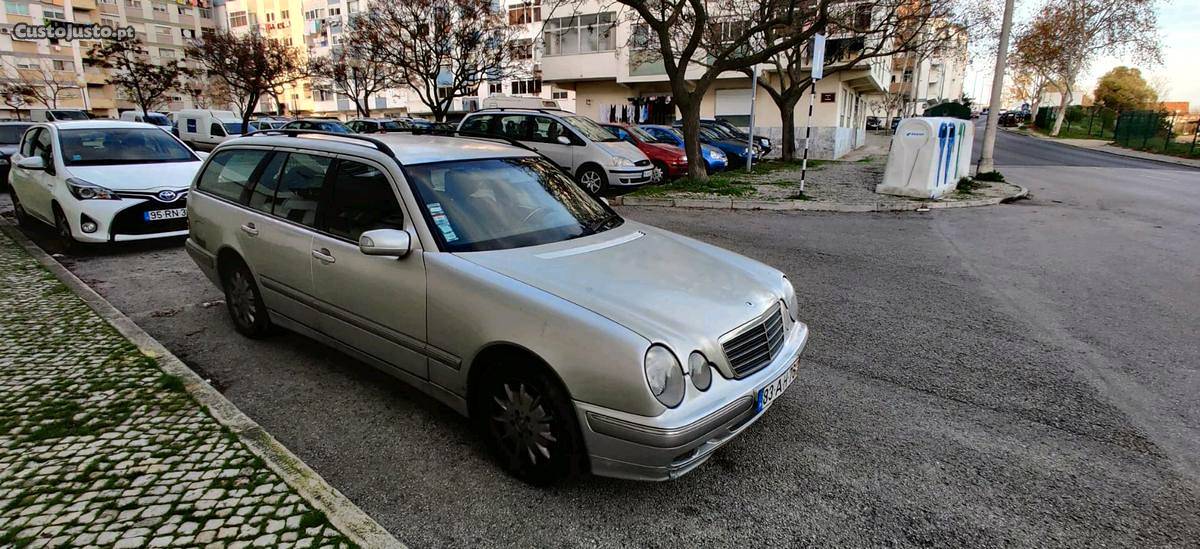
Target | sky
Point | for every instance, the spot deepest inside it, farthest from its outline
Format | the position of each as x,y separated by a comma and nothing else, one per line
1179,21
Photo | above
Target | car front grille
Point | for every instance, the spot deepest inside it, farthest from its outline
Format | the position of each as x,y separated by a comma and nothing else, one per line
757,345
132,220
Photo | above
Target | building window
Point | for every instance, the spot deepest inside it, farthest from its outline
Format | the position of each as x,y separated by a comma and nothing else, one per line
558,95
335,12
159,8
730,30
525,12
526,87
166,53
61,65
521,48
49,13
188,34
184,10
580,34
270,17
16,8
237,19
206,13
283,14
495,88
133,3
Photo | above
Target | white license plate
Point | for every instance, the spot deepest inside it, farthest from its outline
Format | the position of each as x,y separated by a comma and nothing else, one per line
776,387
160,215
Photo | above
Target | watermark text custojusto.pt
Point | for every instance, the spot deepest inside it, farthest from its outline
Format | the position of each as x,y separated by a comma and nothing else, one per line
67,31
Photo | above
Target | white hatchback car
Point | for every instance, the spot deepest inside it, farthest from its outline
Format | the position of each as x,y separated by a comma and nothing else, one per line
103,180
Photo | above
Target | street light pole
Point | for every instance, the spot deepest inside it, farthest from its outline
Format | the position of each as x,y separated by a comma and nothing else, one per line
986,157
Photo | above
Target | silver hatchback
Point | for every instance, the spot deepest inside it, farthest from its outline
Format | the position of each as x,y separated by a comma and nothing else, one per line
574,339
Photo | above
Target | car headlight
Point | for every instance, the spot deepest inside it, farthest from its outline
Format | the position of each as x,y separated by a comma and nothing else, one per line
789,299
683,159
89,191
665,376
700,370
620,162
719,155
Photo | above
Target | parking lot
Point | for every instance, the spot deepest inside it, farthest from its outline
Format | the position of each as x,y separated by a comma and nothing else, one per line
1022,375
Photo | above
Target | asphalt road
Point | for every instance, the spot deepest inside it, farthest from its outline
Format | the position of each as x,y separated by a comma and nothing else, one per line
1021,375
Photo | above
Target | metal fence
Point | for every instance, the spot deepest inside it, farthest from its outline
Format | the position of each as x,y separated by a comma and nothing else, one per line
1154,131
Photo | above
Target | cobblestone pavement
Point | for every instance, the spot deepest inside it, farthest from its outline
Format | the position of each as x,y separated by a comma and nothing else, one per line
100,448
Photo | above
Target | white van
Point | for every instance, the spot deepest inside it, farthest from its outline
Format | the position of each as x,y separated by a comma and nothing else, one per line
511,102
53,115
203,129
155,118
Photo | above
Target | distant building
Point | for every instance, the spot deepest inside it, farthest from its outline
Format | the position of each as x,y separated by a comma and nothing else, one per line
1174,107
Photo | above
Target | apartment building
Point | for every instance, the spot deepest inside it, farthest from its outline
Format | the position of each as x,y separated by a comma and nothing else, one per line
163,26
281,20
921,79
589,49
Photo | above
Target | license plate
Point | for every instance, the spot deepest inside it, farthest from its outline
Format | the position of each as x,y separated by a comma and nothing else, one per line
776,387
160,215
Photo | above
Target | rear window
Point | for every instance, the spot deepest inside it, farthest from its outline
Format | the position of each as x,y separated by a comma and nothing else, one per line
229,171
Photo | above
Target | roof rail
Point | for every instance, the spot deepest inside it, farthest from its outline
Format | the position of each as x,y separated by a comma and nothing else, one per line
534,109
295,132
460,133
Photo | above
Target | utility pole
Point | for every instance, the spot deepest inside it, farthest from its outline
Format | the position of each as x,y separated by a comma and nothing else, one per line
987,156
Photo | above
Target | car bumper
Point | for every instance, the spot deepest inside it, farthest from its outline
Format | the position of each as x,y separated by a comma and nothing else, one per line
677,170
717,165
123,220
630,177
635,447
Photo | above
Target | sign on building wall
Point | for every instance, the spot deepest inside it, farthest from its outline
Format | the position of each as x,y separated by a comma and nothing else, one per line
828,97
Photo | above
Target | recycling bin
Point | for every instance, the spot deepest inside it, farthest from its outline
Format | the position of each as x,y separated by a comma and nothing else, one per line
928,157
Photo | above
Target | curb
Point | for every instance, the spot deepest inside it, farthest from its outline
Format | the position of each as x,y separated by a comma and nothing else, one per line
359,527
807,206
1115,151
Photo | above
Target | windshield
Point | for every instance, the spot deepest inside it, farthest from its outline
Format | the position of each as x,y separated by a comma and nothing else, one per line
503,203
711,135
589,128
10,134
729,128
110,146
645,136
721,131
233,128
69,115
157,120
390,125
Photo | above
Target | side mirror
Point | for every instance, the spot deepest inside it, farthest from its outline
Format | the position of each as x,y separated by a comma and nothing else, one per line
564,140
32,163
388,242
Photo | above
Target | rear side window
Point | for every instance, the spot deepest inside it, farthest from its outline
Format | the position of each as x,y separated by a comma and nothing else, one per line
229,172
478,124
216,130
300,188
262,196
361,200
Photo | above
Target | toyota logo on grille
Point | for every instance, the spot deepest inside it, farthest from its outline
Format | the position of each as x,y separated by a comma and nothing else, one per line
167,195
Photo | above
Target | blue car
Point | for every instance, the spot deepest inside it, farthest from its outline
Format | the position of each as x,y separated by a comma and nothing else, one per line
715,159
733,147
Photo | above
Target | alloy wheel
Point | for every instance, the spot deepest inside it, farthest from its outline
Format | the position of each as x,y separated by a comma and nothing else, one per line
591,181
522,425
241,299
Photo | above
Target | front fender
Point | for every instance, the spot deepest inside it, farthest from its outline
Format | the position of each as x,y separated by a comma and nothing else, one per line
472,308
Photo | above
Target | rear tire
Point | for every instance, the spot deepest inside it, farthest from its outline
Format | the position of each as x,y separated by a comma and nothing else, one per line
593,180
244,302
23,219
529,423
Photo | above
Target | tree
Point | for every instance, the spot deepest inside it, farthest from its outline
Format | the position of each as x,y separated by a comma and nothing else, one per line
205,92
43,83
17,95
1082,30
442,49
358,68
132,71
697,42
249,65
866,32
1123,89
1033,59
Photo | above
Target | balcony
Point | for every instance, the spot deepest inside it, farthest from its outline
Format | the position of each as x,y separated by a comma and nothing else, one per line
581,66
86,5
93,75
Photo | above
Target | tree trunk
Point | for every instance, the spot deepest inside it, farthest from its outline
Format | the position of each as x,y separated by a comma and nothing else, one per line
787,115
1062,113
697,168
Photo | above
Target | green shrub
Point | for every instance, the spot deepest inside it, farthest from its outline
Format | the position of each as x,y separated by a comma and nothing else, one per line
989,176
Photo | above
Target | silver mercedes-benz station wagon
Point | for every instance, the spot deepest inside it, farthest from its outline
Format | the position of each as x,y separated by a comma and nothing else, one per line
574,339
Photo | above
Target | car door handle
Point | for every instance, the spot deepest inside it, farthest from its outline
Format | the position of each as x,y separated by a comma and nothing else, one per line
323,256
250,229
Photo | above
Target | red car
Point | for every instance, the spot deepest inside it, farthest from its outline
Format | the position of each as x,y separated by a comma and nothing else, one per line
670,161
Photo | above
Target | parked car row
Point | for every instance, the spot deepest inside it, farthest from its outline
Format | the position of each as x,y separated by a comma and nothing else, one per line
473,267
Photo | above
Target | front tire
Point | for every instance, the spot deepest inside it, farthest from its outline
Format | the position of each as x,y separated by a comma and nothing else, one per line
244,302
660,172
63,228
529,423
593,180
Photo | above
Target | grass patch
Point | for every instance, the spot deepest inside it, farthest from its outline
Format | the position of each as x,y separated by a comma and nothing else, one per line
718,184
312,518
171,383
993,176
966,185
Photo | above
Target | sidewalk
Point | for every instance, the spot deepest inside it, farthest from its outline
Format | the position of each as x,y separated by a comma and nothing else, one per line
1106,147
99,447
